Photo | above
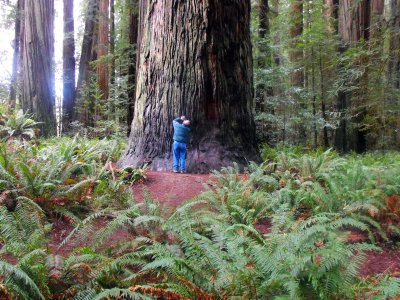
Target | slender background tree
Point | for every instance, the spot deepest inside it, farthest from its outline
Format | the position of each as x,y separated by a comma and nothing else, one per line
68,63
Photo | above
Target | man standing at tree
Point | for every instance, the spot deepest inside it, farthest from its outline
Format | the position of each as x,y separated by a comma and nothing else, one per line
181,134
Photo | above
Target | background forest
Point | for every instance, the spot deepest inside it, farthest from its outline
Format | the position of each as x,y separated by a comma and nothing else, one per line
326,74
313,85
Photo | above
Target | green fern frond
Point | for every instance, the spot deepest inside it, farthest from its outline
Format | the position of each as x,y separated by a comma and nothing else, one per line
120,294
9,271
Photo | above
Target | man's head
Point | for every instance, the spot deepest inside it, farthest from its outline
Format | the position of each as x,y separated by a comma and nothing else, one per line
186,123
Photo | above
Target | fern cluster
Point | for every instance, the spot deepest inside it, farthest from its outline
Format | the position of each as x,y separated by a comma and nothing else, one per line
61,175
23,235
276,232
209,248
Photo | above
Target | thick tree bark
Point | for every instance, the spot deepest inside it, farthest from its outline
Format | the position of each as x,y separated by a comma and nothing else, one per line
68,63
133,36
102,49
16,55
38,95
194,59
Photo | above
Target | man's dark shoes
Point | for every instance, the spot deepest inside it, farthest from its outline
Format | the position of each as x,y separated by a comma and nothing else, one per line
175,171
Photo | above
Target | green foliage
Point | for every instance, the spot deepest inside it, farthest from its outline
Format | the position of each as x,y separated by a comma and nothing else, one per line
213,247
310,111
278,231
62,175
379,287
18,124
100,117
22,233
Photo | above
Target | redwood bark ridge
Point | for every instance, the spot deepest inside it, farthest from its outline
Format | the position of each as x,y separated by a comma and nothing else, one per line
194,58
37,52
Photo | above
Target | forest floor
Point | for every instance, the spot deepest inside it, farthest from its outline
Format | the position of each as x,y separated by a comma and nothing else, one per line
173,189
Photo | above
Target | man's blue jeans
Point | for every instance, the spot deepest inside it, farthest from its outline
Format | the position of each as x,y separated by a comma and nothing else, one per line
179,154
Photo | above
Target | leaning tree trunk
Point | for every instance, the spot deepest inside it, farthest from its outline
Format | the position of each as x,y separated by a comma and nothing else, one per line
194,59
38,95
68,63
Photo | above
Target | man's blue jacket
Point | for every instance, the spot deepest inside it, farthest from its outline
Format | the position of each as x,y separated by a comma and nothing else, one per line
181,132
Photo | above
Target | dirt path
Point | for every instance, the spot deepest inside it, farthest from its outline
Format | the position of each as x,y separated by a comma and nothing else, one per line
173,189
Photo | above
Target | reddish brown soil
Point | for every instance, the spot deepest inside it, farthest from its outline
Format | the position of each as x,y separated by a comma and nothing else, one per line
384,262
173,189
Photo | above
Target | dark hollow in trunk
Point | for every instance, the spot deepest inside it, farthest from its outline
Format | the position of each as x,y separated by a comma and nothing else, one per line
194,59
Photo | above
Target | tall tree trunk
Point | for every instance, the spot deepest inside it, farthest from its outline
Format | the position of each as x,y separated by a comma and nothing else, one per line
133,37
16,55
323,98
112,42
354,25
327,70
194,59
393,72
296,58
340,138
38,95
102,49
262,91
363,32
68,63
87,46
263,59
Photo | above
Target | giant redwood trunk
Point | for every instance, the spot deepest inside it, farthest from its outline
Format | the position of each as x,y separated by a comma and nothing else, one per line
194,59
38,95
68,63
